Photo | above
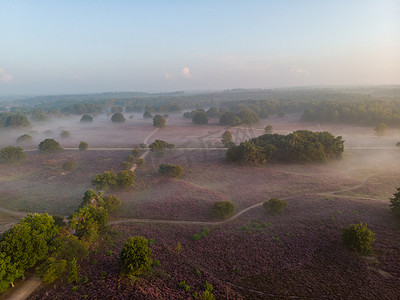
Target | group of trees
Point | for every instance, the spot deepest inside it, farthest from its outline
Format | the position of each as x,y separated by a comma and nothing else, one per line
110,180
245,116
301,145
13,120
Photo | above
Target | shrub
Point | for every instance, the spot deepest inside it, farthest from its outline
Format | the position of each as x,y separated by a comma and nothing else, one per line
358,238
275,206
69,165
135,256
118,118
49,146
222,209
170,170
86,119
25,138
11,154
395,203
65,134
83,146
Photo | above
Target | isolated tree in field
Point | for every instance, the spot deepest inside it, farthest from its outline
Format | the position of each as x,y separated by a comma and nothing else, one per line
248,116
395,203
159,121
86,119
11,154
118,118
222,209
200,118
147,114
226,139
275,206
358,238
268,128
25,138
158,145
380,129
83,146
65,134
49,146
170,170
135,256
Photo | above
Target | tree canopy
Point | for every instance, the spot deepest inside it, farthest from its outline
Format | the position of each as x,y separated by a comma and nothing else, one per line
49,146
11,154
135,256
86,118
118,118
170,170
200,118
159,121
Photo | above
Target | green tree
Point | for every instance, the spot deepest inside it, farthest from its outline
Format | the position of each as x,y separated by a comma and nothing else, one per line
125,179
222,209
25,138
88,221
248,116
268,128
358,238
158,145
395,203
83,146
106,181
86,118
147,114
11,154
51,269
49,146
213,112
226,139
170,170
8,272
135,256
200,118
71,247
111,203
65,134
118,118
275,206
73,271
229,118
159,121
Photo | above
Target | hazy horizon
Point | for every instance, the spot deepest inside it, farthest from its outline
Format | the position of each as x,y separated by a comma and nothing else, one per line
79,47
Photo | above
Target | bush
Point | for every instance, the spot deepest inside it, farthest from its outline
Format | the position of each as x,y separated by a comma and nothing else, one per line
69,165
358,238
222,209
86,119
395,203
25,138
135,256
275,206
11,154
83,146
65,134
49,146
170,170
118,118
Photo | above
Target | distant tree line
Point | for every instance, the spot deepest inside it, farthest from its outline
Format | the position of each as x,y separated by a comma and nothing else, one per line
301,145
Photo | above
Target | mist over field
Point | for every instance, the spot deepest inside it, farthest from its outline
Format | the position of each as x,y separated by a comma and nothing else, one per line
200,150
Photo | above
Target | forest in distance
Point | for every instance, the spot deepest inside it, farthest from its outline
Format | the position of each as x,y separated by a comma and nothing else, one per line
235,194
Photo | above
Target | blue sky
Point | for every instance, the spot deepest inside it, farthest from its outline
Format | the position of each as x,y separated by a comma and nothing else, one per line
51,47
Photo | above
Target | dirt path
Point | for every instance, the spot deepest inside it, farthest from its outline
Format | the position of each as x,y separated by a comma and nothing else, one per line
25,290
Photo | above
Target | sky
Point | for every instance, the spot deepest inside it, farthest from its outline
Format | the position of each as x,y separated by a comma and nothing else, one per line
81,46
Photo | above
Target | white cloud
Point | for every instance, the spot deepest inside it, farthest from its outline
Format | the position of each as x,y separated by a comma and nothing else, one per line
167,76
186,72
4,76
298,70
